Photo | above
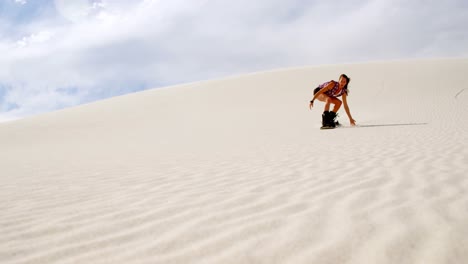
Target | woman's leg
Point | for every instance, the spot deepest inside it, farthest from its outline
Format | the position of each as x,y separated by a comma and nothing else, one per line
324,98
335,101
326,111
328,117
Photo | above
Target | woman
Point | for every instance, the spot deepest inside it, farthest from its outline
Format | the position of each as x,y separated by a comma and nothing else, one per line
329,92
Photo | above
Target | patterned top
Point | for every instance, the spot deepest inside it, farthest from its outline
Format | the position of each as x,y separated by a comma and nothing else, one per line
335,91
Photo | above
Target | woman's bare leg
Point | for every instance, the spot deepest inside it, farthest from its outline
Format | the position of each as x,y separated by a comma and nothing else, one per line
324,98
335,101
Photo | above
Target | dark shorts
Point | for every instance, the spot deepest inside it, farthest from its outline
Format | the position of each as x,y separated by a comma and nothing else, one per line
326,93
316,90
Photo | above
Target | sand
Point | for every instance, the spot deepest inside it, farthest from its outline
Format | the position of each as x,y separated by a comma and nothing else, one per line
237,171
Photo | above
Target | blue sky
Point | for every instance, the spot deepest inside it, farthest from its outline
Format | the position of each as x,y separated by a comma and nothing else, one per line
62,53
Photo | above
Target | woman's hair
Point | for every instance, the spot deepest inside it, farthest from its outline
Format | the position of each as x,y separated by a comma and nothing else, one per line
347,82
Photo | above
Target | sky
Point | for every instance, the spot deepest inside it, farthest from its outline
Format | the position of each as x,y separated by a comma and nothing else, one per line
56,54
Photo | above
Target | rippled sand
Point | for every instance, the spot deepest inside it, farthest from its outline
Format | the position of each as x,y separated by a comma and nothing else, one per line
238,171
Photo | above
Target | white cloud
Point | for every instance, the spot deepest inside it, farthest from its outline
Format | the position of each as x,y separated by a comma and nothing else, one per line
76,10
112,47
21,2
39,37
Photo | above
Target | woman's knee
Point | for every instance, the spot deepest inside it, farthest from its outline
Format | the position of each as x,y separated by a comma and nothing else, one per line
322,98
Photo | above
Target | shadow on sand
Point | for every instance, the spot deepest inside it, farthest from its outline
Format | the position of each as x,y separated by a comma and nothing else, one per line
387,125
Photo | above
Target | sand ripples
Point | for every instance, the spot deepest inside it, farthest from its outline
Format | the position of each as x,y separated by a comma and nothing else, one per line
268,194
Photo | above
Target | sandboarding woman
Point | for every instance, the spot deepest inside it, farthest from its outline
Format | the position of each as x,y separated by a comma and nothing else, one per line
329,92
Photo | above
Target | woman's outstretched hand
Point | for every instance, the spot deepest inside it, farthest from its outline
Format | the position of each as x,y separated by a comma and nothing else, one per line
311,104
352,122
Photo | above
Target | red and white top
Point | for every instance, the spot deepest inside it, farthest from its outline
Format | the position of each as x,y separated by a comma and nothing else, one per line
335,91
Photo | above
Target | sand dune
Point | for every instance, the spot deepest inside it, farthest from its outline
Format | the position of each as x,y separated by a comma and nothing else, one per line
237,171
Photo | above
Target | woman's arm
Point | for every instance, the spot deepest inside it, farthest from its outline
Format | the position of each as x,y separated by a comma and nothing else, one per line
346,107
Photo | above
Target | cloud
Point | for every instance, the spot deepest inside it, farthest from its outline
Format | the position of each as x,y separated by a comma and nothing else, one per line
39,37
21,2
89,50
